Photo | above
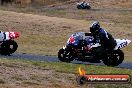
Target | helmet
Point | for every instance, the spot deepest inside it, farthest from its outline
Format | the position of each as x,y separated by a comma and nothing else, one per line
83,1
95,27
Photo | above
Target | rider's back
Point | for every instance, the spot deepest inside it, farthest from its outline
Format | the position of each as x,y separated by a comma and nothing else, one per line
106,39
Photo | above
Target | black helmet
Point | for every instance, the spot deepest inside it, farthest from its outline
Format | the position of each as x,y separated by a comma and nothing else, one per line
95,27
83,1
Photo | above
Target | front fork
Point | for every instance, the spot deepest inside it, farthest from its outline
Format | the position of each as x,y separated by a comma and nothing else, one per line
64,47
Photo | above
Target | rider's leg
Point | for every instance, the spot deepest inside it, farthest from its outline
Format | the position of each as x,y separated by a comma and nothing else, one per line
99,53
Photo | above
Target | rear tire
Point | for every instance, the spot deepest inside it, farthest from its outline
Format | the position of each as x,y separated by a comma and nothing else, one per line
115,58
8,47
88,7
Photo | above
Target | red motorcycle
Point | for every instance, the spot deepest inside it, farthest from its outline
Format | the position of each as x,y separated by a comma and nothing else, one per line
7,43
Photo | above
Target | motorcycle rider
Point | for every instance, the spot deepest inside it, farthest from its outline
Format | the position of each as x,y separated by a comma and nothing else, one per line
104,38
83,3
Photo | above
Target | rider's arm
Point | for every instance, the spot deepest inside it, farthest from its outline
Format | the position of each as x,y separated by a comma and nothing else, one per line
88,34
103,39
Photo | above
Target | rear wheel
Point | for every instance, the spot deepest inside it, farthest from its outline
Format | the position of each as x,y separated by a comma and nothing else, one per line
114,59
65,56
8,47
88,7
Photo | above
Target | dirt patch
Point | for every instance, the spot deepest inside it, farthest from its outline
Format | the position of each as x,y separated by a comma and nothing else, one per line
18,75
104,10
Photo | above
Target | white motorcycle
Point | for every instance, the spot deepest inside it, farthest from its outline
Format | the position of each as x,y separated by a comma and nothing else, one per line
75,50
83,6
7,43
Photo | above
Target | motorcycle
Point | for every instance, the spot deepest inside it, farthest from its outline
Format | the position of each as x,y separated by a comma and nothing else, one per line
7,43
81,48
83,6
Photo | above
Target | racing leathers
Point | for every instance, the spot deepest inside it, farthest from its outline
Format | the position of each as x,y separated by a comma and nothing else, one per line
106,40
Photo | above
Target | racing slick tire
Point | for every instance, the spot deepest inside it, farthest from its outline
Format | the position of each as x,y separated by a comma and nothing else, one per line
115,58
65,56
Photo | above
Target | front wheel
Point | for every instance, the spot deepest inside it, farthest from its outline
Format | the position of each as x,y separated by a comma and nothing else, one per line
79,7
114,59
65,56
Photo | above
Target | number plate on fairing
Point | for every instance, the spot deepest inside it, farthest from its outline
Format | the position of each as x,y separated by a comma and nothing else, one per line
121,43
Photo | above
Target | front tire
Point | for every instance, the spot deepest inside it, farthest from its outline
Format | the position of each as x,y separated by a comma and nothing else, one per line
65,56
114,59
8,47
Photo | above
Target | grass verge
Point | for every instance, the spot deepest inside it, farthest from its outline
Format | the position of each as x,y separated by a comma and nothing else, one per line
67,68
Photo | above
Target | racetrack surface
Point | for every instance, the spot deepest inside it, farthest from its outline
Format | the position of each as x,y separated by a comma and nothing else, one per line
127,65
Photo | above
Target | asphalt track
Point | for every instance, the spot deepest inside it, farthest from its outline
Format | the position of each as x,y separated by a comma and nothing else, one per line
127,65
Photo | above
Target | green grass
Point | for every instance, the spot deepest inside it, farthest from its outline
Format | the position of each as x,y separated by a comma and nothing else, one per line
90,69
72,68
68,67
